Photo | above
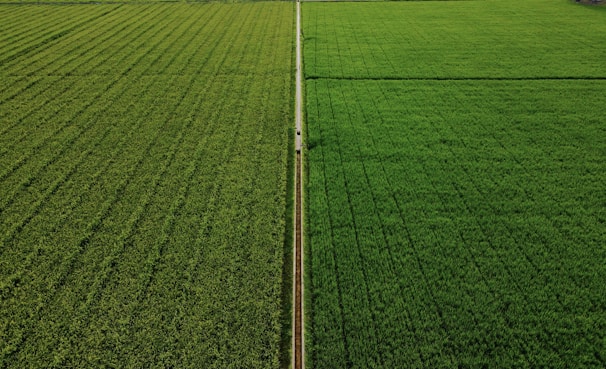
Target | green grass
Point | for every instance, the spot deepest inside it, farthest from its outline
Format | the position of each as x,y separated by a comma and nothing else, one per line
143,164
454,223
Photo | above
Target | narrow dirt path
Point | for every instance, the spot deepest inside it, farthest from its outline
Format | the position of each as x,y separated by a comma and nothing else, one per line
298,323
298,306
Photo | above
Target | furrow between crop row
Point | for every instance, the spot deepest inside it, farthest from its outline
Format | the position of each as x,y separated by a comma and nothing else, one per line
145,187
16,22
14,56
16,164
89,56
28,36
78,252
89,47
56,96
146,277
91,227
74,164
102,277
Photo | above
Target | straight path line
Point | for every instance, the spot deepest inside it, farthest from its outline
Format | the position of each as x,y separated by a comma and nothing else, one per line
298,108
298,349
555,78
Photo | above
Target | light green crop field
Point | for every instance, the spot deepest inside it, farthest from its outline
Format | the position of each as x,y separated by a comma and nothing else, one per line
456,197
143,172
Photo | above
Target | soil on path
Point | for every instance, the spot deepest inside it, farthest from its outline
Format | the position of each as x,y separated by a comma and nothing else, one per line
591,2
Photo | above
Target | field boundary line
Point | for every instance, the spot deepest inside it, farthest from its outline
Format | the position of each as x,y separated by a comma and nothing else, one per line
64,3
298,341
546,78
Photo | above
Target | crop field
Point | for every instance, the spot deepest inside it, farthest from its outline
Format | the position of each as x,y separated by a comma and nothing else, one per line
143,174
454,40
456,190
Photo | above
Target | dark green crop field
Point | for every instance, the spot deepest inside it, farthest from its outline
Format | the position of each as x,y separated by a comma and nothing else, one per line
143,165
454,39
456,197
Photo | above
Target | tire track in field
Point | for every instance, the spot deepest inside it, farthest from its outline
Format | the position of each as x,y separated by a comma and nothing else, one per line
486,232
217,113
19,162
79,44
70,259
392,259
21,27
94,178
107,265
19,13
518,241
338,275
27,181
120,93
375,203
200,67
344,325
7,286
529,195
374,332
408,236
472,257
91,227
554,230
390,189
22,22
510,272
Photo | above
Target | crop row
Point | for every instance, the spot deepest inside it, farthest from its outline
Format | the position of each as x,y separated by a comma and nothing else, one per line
143,171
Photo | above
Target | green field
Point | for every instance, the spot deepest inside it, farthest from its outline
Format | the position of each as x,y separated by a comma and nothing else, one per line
454,39
456,197
143,174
